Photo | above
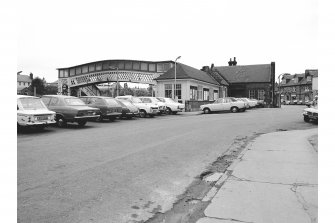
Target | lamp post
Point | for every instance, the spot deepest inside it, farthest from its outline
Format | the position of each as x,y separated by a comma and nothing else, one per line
175,77
279,104
117,79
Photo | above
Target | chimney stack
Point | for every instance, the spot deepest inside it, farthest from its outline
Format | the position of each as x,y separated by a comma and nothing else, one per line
230,63
31,76
212,66
205,68
234,62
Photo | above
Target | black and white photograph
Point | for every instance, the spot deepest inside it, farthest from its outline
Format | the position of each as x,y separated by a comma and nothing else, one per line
172,111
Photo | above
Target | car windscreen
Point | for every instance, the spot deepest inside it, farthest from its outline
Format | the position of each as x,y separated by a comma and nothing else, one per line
233,99
73,101
161,99
111,101
32,103
127,103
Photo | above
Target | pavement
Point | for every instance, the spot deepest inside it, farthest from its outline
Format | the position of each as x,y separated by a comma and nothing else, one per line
275,179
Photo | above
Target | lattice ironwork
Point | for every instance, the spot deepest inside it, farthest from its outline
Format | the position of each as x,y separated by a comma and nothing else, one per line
110,76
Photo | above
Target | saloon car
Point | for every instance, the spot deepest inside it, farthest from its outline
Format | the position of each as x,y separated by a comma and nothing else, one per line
145,109
70,109
108,106
172,107
32,112
311,114
224,104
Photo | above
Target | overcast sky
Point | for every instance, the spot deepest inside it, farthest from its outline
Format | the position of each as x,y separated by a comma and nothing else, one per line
54,34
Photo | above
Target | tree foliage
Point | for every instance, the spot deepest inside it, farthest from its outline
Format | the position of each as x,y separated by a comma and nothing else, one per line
39,84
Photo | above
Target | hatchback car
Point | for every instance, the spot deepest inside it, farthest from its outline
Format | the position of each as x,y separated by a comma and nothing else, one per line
70,109
109,107
224,104
31,111
146,109
161,105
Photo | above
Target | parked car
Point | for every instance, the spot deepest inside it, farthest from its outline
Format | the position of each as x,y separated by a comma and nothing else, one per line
224,104
31,111
146,109
311,114
109,107
70,109
172,107
128,109
253,102
287,102
299,102
155,101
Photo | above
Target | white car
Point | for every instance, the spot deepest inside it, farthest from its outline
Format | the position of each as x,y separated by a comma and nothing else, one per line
31,111
311,114
155,101
145,109
251,103
224,104
172,107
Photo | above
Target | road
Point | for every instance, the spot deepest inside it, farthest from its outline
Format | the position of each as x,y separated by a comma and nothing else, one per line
124,171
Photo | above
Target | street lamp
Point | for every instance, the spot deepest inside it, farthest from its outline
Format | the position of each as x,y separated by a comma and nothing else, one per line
279,104
117,79
175,77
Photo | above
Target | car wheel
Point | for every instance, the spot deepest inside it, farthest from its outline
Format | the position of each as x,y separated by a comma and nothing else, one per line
207,111
143,113
234,109
306,118
82,123
168,111
100,118
61,122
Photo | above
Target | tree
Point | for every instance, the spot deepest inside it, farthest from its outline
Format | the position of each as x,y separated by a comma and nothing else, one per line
39,84
51,89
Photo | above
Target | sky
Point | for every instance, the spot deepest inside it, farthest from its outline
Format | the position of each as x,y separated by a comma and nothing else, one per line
55,34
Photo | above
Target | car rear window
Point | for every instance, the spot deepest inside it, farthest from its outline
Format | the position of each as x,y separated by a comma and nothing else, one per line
32,103
73,101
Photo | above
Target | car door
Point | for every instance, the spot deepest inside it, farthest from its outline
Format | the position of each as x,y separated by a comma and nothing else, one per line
226,104
217,105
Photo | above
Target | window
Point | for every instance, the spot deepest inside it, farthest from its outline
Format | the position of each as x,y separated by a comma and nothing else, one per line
66,73
178,91
144,66
252,94
84,69
121,65
78,70
53,102
146,100
98,66
61,73
136,65
166,66
152,67
206,94
128,66
160,67
72,70
168,90
216,94
193,92
261,94
91,68
199,93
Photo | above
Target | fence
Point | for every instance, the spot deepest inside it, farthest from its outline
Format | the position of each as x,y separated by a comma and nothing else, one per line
195,105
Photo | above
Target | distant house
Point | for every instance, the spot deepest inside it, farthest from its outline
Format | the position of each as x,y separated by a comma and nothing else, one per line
298,86
191,84
23,82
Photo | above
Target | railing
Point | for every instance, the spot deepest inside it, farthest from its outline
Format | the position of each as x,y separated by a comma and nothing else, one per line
195,105
91,90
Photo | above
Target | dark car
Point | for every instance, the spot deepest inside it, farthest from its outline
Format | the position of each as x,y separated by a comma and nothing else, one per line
109,107
70,109
128,109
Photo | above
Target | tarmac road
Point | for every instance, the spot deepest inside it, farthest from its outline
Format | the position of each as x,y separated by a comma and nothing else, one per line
125,171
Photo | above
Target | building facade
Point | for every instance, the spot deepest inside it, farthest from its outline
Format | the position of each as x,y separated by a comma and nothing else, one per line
297,87
23,82
191,85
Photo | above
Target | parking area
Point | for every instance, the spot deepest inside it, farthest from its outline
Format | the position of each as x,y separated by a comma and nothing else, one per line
78,173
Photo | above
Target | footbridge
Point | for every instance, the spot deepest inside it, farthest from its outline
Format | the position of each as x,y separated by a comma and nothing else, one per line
84,78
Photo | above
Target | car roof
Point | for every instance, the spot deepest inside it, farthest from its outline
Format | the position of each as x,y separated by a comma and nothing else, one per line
103,97
25,96
58,96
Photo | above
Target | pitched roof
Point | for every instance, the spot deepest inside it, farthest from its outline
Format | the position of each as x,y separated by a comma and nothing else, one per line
187,72
23,78
218,77
246,73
